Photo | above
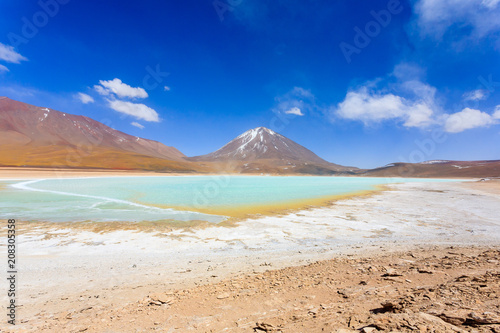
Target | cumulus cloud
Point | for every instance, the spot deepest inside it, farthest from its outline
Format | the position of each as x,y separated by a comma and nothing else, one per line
136,110
475,95
8,54
120,89
467,119
115,91
166,88
3,69
404,97
84,98
101,90
372,107
295,111
496,114
136,124
434,17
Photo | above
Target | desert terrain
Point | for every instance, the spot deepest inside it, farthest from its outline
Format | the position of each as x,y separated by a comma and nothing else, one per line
417,257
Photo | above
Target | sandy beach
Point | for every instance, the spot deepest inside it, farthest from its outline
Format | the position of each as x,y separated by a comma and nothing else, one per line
77,279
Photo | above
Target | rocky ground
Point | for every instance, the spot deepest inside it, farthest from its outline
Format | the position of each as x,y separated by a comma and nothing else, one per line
451,289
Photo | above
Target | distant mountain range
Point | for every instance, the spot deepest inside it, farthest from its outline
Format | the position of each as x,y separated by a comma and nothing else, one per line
42,137
436,169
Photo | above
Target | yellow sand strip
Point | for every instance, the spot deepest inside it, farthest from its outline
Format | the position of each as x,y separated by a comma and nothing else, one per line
245,211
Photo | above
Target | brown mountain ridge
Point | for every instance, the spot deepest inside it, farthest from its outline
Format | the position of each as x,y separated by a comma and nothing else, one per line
39,136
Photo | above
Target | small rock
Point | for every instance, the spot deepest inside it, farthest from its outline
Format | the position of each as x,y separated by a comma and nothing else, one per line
391,272
453,317
266,327
393,279
368,329
163,298
487,318
223,296
389,306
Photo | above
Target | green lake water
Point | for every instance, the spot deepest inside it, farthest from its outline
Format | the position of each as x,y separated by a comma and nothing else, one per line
137,199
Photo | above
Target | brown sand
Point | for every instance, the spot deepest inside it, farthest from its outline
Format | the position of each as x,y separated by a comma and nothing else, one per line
422,290
490,186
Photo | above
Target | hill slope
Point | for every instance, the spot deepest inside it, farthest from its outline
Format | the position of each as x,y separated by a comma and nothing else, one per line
438,169
36,136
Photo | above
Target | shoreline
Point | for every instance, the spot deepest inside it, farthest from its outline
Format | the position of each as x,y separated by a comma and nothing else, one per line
19,173
233,214
28,173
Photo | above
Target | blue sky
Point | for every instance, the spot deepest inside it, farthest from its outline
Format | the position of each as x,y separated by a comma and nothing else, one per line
361,83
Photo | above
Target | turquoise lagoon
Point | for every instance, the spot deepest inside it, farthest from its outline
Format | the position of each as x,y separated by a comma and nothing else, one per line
167,198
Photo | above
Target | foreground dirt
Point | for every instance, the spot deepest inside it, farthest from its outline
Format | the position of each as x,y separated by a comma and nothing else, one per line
433,290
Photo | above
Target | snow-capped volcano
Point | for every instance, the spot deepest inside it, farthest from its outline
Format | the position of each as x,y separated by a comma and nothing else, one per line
265,149
262,143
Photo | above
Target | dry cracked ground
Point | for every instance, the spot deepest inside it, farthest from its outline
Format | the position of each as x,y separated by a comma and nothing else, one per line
451,289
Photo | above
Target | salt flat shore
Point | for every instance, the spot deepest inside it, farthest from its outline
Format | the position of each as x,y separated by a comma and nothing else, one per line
39,173
74,280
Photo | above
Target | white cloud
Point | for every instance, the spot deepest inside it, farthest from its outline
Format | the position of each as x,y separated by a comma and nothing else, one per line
295,111
435,17
361,105
475,95
419,115
117,87
139,111
467,119
295,102
496,114
490,3
166,88
101,90
7,53
371,107
3,69
418,109
401,96
136,124
84,98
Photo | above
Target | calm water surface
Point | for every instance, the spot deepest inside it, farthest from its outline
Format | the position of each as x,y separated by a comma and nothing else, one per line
148,198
